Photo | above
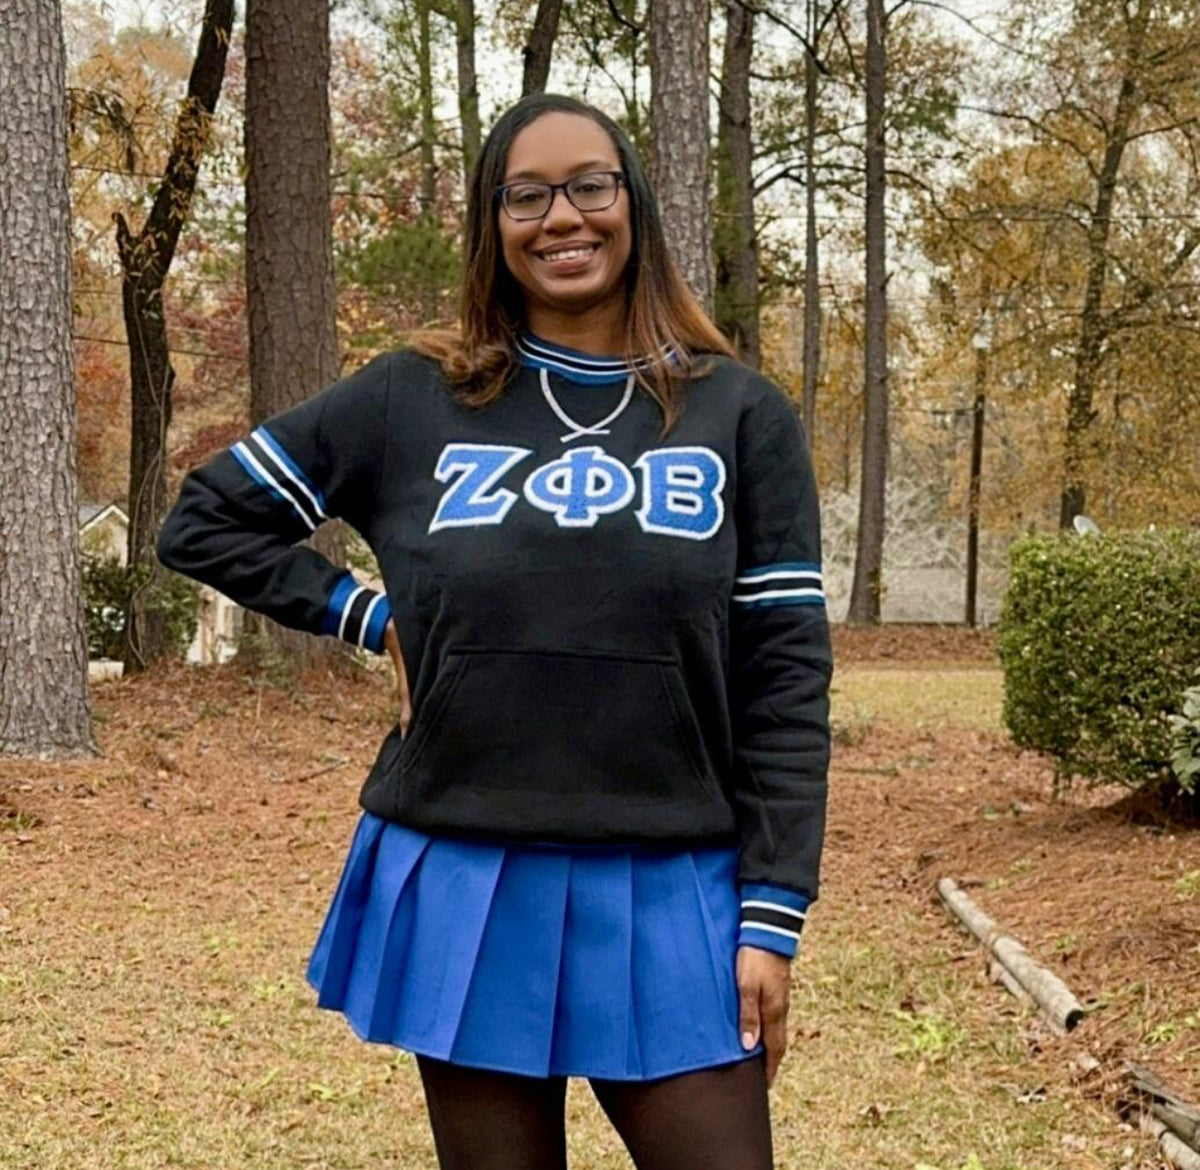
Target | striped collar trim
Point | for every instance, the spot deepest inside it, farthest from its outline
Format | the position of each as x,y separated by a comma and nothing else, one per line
576,365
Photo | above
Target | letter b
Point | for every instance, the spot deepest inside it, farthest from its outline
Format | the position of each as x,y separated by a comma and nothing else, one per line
681,492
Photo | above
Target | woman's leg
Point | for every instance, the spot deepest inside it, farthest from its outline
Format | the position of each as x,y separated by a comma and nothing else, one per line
485,1120
711,1119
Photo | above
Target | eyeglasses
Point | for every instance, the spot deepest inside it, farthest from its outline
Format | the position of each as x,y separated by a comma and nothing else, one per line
531,199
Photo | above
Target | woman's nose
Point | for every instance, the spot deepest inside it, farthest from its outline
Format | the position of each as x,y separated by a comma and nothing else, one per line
561,209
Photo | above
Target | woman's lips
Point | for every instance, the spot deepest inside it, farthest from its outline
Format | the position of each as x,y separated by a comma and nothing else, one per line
575,264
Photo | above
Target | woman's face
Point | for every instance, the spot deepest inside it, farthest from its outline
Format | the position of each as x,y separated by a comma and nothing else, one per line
553,148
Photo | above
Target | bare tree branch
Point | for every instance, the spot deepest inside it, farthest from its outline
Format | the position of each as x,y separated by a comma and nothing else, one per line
786,25
1040,126
620,18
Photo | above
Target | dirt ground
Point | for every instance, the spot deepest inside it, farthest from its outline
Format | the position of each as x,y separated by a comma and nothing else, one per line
1101,890
910,644
157,906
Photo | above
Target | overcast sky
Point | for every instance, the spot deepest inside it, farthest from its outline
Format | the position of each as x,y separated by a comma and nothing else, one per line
500,77
500,69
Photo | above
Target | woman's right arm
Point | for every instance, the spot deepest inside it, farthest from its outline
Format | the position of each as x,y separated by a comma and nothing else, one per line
239,517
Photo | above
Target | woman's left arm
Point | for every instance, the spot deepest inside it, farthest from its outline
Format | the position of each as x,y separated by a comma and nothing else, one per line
781,668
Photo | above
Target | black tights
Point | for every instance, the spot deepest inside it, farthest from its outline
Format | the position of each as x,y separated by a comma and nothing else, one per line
711,1119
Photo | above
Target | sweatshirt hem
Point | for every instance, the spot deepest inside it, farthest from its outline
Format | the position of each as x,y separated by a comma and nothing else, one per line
567,818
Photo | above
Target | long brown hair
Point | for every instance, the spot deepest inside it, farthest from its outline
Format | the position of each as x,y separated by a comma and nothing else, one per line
479,355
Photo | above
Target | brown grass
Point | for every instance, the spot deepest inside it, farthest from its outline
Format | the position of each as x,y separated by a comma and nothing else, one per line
158,905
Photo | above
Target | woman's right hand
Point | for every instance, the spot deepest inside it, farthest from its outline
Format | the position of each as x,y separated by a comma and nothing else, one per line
391,642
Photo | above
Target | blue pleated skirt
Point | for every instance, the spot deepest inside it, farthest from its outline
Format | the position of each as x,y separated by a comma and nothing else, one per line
543,959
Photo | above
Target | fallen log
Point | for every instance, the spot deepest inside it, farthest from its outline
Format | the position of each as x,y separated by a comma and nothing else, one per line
1056,1001
1178,1153
1181,1117
999,973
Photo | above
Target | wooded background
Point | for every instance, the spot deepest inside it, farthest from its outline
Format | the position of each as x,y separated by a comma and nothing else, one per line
964,241
1042,175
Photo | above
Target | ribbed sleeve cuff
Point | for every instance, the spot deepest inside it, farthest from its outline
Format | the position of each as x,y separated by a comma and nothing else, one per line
357,614
772,918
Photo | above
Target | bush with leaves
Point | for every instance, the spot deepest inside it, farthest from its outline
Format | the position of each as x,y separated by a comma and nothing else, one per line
1185,755
1099,637
107,587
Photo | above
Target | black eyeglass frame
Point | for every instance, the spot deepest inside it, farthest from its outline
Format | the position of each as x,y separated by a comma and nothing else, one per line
498,193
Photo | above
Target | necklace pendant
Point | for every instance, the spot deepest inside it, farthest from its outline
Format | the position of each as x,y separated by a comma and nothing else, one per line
578,430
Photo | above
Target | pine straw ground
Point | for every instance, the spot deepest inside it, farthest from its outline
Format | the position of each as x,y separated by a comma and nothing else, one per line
157,907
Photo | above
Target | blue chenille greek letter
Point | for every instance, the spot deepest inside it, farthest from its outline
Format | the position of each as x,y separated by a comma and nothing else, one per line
681,492
580,487
478,467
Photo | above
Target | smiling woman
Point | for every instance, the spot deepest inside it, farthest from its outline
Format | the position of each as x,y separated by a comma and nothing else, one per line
589,846
627,299
592,191
570,263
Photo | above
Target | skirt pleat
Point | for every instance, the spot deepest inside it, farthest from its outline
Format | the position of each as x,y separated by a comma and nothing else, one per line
593,1022
509,1009
339,938
385,936
614,962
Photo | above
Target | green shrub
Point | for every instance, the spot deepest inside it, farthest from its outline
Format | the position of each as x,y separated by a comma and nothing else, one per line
1099,638
107,588
1185,742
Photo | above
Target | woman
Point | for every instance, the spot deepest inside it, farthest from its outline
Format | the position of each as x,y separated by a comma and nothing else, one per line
588,846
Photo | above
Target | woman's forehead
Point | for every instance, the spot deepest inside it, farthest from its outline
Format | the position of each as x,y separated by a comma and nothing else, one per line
559,144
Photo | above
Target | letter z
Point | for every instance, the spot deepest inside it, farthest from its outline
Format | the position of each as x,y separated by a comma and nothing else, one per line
470,500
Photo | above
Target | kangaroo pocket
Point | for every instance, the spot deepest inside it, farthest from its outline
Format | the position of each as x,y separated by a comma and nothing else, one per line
558,721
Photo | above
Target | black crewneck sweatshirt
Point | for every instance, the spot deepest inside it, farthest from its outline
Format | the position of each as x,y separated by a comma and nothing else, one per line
610,635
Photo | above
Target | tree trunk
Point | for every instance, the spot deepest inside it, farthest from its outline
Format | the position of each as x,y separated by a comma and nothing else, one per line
428,190
735,242
635,124
44,708
1089,351
290,291
468,87
679,117
540,46
145,261
974,486
812,260
461,14
866,595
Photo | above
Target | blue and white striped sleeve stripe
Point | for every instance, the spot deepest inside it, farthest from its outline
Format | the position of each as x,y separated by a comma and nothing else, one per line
268,464
772,918
357,614
786,583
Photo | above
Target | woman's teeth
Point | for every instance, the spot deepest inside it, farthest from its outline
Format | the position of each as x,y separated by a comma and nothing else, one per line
569,255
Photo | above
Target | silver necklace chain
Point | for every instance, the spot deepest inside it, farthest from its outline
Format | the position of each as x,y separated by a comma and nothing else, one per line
600,428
